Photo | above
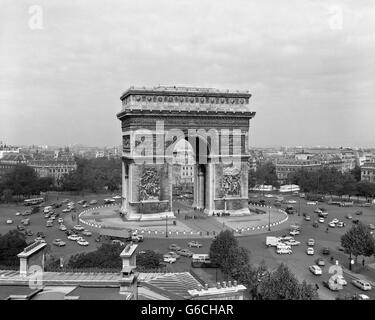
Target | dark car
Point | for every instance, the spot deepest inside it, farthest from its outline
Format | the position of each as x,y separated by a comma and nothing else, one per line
326,251
359,212
20,227
316,224
40,234
29,232
355,221
69,232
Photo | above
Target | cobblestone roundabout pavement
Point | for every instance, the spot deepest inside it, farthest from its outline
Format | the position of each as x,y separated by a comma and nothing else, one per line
107,217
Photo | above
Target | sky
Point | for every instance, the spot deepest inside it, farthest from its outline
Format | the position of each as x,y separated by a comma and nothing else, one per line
309,65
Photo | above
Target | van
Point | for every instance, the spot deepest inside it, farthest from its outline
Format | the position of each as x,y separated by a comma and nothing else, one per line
25,222
272,241
47,209
201,261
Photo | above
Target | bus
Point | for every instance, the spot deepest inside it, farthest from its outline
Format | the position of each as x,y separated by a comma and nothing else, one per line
33,202
201,261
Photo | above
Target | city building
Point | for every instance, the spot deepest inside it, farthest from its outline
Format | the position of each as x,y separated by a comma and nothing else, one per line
368,172
286,167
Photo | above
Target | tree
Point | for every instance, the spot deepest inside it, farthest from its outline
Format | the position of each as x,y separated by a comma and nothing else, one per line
22,180
265,174
281,284
106,256
149,259
356,173
235,262
220,248
358,240
11,244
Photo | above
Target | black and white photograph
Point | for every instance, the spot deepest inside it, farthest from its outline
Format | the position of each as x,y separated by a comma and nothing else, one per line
199,151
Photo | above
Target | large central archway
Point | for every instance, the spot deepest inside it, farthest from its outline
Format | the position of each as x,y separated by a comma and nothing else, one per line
216,124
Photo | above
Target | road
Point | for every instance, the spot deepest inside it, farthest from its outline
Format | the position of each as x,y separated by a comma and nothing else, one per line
298,262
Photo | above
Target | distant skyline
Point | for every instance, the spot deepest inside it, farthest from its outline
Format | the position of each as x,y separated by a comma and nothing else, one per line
309,65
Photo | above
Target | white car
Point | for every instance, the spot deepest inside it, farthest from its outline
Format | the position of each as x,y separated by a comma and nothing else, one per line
78,227
292,242
332,224
85,205
291,201
321,220
294,232
83,242
62,227
9,221
40,239
86,233
66,210
169,259
73,237
284,250
268,195
116,197
311,242
311,203
340,224
361,284
335,220
318,210
316,270
18,213
194,244
60,220
310,251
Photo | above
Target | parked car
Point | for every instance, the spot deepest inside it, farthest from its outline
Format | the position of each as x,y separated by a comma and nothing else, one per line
40,234
320,262
362,284
58,242
292,242
174,247
316,270
340,224
294,232
349,217
317,210
62,227
332,224
326,251
93,202
335,220
60,220
117,242
87,233
67,210
18,213
168,259
185,253
28,232
49,223
321,220
9,221
284,250
83,242
359,212
73,237
194,244
86,205
174,254
40,239
78,227
371,226
311,203
307,218
20,227
291,201
310,251
316,224
311,242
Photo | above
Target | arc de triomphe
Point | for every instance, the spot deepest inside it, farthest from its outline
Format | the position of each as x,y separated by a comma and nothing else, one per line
215,122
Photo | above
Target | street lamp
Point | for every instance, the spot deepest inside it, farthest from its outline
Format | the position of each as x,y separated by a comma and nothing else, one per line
166,226
269,216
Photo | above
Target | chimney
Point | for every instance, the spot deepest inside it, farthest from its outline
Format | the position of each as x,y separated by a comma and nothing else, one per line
229,284
224,284
234,283
205,286
218,285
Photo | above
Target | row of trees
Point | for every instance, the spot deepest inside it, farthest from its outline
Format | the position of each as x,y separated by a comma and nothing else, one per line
11,244
326,180
23,180
94,175
262,284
